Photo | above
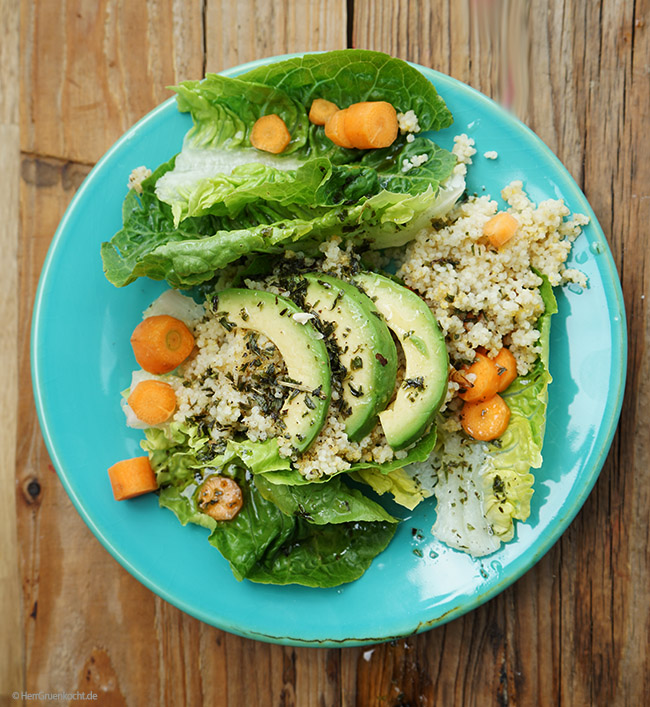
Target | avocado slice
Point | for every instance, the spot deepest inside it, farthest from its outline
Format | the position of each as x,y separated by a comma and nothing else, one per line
364,346
301,347
427,362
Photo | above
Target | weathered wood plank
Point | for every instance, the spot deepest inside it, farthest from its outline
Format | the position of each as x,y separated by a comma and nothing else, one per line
238,32
91,69
89,624
574,630
11,648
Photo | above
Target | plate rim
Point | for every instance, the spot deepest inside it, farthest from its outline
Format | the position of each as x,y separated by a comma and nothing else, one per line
602,445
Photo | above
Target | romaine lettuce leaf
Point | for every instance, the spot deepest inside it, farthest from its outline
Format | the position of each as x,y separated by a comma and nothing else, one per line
404,488
271,538
351,75
224,111
193,190
498,474
266,544
419,452
324,556
508,484
393,478
149,244
332,501
221,199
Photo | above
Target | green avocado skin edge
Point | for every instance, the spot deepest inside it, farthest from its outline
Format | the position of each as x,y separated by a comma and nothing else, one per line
427,363
365,349
301,348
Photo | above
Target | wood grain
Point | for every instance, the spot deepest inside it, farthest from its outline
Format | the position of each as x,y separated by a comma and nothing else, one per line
575,630
238,32
11,654
91,68
567,630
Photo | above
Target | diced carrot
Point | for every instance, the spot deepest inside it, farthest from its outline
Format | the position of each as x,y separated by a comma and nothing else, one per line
500,229
132,477
506,368
160,343
270,134
483,378
321,111
335,129
371,124
152,401
486,420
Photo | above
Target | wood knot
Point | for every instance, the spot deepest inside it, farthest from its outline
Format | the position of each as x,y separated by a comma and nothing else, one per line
32,490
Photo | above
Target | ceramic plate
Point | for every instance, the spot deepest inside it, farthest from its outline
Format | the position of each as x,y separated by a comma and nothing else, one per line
415,584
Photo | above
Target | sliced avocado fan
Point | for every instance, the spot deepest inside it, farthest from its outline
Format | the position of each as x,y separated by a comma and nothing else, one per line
367,356
425,380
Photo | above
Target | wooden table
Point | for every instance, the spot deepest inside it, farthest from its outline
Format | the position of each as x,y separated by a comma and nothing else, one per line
74,75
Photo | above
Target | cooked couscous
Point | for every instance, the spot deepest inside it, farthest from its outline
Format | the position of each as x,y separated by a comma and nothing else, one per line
489,297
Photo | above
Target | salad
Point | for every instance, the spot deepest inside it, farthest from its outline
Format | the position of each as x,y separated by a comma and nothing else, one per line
347,333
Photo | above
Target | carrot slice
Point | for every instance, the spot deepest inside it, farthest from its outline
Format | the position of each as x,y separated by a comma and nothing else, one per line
335,129
160,343
132,477
485,420
220,497
506,368
500,229
321,111
270,134
371,124
152,401
483,379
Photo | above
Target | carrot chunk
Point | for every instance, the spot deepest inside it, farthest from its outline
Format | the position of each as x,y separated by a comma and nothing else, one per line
152,401
371,124
270,134
506,368
160,343
132,477
500,229
335,129
485,420
321,111
482,377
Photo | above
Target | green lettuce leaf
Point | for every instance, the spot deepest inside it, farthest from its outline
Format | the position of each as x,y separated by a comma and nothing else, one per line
404,488
324,556
220,199
393,477
352,75
258,528
508,485
482,488
332,501
271,539
224,111
177,452
419,452
149,244
183,507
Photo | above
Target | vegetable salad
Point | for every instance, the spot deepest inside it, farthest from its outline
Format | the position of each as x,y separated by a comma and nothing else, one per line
329,340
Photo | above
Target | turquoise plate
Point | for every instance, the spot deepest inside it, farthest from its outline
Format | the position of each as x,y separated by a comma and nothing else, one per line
402,592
